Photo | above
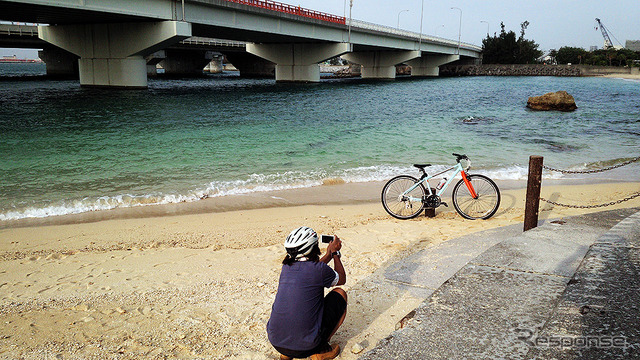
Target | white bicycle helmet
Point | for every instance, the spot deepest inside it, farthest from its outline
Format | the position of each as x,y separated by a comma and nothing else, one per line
300,242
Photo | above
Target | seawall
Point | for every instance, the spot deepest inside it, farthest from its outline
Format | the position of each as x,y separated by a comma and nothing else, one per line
532,70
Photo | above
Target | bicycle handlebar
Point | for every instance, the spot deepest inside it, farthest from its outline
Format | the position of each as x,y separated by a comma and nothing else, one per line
460,157
463,157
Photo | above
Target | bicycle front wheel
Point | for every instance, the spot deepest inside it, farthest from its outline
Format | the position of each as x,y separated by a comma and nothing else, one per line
399,202
484,205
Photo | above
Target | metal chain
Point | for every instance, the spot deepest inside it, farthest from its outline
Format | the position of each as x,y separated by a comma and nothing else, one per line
592,206
592,171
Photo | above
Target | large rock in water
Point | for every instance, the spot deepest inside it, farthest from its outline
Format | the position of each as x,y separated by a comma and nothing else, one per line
560,101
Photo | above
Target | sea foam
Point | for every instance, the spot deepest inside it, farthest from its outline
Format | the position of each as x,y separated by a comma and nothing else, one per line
254,183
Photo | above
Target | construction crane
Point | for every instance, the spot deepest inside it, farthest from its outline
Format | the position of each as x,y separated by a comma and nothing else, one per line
605,34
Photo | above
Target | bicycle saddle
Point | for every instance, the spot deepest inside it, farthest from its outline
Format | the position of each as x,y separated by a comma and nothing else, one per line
420,166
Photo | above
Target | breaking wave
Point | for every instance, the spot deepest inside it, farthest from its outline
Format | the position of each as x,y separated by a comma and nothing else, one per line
254,183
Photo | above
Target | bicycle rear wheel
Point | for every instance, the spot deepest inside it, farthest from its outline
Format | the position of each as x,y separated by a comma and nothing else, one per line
484,206
399,204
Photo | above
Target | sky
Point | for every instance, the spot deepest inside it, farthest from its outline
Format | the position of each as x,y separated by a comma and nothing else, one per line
552,23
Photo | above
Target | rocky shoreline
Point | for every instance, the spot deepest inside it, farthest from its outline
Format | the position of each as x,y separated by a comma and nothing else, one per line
495,70
509,70
533,70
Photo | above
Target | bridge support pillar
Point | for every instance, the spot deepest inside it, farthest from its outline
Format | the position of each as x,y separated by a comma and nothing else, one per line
153,60
298,62
215,66
429,65
60,63
380,64
112,55
251,66
186,63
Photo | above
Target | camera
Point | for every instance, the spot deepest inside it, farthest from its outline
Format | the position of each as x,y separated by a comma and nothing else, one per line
327,238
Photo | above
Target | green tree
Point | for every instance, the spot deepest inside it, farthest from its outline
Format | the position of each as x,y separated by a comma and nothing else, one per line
572,55
505,48
609,57
596,59
622,59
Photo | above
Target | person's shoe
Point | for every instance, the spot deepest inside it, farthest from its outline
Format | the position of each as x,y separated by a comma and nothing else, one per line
285,357
335,350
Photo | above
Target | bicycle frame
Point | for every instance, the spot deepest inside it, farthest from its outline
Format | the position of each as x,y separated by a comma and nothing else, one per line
458,169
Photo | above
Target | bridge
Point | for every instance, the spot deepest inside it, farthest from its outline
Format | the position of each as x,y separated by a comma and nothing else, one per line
112,38
185,58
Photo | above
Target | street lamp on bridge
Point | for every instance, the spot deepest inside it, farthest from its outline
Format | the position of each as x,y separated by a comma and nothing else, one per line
401,11
421,20
459,28
350,7
482,21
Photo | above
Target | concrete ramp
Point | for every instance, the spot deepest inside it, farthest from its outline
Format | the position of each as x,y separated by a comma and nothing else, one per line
568,289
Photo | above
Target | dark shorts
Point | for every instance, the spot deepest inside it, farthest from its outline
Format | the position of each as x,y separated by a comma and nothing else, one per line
334,307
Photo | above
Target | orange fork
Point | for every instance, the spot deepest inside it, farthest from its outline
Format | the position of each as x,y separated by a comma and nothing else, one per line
472,191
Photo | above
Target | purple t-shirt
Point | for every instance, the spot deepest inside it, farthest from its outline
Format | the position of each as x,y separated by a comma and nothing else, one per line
296,314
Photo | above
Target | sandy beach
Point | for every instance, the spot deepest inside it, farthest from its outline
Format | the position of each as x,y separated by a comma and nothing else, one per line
196,281
624,76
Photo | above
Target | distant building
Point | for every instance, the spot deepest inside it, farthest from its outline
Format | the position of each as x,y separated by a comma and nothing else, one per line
593,48
633,45
547,59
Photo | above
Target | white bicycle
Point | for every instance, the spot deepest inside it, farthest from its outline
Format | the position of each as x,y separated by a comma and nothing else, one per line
474,197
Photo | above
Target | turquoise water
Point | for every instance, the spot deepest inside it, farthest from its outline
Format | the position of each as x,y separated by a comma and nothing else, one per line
67,149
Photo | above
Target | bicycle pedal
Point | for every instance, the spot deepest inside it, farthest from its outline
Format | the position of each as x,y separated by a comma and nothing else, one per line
444,203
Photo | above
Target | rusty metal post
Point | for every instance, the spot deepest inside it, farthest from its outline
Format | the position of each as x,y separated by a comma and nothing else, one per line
534,183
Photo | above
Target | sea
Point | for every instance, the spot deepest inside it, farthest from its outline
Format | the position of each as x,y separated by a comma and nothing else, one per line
65,149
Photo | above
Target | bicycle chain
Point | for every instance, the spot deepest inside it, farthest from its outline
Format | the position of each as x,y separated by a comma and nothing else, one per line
592,206
591,171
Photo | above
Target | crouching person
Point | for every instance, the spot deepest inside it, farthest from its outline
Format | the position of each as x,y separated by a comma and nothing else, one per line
303,320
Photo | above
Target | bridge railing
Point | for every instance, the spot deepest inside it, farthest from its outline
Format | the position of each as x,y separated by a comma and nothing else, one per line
195,40
411,34
297,10
291,9
20,29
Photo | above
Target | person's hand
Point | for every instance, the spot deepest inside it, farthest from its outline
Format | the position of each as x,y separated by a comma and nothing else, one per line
334,245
